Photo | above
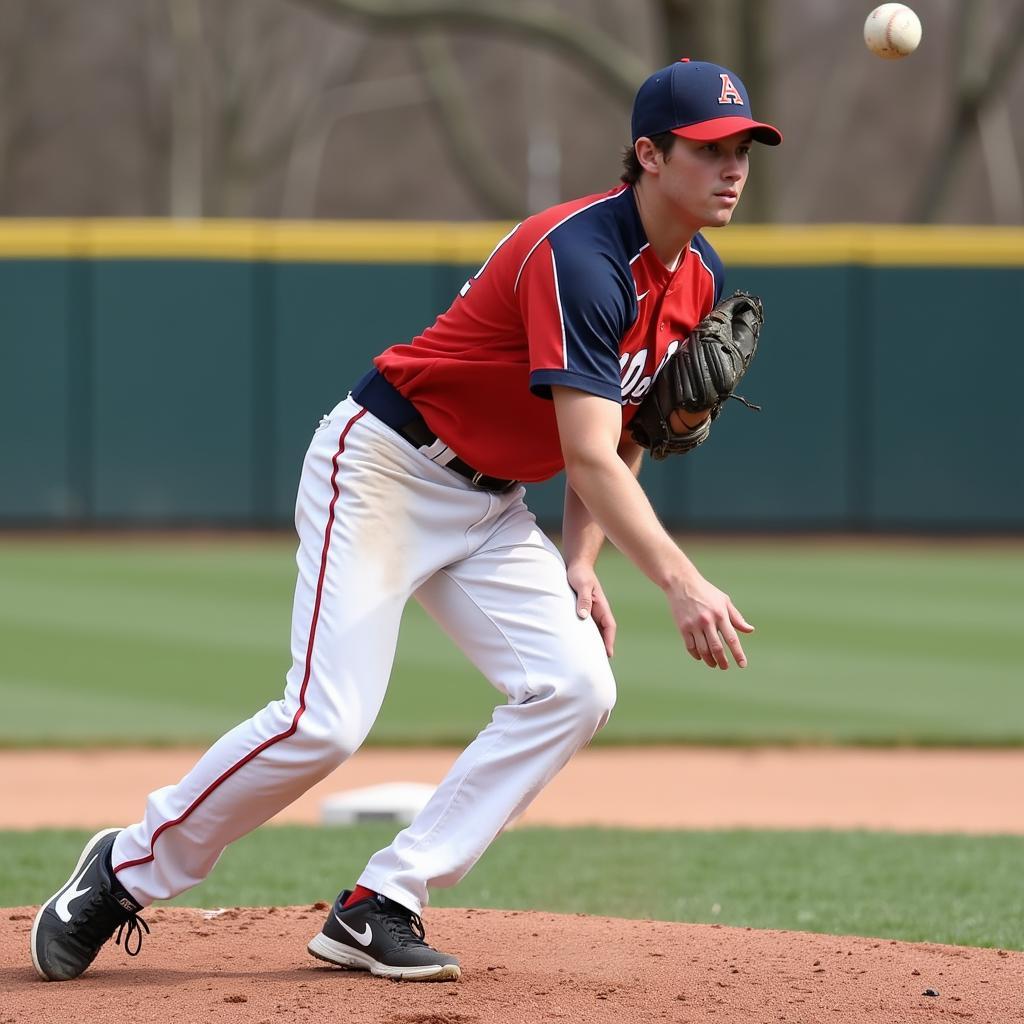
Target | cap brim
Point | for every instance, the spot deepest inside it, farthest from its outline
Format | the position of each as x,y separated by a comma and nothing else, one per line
720,127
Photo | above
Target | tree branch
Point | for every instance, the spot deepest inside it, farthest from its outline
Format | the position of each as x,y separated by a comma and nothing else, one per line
613,66
312,134
755,18
973,97
186,169
484,174
685,30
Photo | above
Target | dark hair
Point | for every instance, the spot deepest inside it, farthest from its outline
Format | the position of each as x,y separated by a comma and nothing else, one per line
631,165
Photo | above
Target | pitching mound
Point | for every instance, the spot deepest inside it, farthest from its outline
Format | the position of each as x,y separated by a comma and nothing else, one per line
518,968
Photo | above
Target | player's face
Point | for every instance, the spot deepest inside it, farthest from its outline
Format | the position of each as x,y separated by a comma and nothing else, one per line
703,181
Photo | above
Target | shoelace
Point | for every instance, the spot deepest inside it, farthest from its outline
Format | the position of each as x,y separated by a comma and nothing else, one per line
135,926
405,927
100,916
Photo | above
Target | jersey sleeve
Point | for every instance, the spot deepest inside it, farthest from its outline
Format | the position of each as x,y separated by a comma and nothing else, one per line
576,309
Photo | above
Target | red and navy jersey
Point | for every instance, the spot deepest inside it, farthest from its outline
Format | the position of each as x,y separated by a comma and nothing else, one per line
573,296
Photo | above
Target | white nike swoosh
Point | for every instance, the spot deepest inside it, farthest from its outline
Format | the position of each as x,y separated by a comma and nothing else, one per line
71,893
644,296
364,938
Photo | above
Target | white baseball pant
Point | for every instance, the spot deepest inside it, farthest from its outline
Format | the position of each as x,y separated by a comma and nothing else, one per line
379,522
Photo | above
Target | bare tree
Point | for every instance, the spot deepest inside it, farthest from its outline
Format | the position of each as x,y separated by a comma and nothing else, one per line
262,107
498,190
686,30
260,77
324,111
21,22
612,65
238,93
187,121
979,84
686,26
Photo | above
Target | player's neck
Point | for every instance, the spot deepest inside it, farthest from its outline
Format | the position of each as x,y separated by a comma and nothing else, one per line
668,237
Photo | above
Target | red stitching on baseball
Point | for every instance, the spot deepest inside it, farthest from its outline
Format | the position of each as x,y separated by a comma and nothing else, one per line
888,29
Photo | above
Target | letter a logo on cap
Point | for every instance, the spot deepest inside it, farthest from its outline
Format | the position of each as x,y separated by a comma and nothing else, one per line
730,94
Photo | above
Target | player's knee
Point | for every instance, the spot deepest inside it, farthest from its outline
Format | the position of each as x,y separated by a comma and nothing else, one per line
590,696
327,740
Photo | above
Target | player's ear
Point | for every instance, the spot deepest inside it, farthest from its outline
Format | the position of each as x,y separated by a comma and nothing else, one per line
646,153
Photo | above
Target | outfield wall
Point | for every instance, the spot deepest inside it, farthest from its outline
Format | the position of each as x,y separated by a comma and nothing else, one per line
159,373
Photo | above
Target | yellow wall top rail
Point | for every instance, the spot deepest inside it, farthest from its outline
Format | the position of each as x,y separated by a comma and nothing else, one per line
471,242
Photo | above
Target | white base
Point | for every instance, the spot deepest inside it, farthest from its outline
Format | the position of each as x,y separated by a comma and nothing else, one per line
395,802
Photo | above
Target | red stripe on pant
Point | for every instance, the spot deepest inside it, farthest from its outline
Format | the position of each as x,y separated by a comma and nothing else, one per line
305,679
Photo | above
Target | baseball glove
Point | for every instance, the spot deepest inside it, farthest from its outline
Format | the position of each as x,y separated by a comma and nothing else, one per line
700,376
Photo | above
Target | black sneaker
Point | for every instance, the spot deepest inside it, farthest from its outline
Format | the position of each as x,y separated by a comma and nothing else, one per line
382,937
78,918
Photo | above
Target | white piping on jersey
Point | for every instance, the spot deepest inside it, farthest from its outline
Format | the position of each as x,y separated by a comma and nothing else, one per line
639,253
582,209
561,317
705,266
495,249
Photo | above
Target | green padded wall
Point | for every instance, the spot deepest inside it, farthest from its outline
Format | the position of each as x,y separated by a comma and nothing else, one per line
177,389
41,475
788,464
330,321
173,386
948,433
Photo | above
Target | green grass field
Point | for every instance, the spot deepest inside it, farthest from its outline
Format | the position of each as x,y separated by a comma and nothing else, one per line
134,639
935,888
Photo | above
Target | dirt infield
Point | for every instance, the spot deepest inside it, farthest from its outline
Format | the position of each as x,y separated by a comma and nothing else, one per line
235,965
251,966
967,791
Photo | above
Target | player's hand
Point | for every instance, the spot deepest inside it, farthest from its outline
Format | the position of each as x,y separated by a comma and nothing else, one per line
708,622
591,601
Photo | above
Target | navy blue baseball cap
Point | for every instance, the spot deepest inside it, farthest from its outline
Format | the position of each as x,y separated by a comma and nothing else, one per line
697,100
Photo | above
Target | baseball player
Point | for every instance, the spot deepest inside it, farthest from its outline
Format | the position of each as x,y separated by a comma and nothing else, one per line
411,488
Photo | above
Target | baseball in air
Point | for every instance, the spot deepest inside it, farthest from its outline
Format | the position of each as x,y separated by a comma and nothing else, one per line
892,31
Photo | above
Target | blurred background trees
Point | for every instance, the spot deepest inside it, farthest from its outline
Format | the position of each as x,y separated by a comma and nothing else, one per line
464,109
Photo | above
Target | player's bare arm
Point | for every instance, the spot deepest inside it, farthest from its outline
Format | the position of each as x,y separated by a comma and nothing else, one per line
581,543
589,428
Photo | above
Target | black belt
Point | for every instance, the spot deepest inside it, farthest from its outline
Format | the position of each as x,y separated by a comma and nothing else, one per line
374,393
